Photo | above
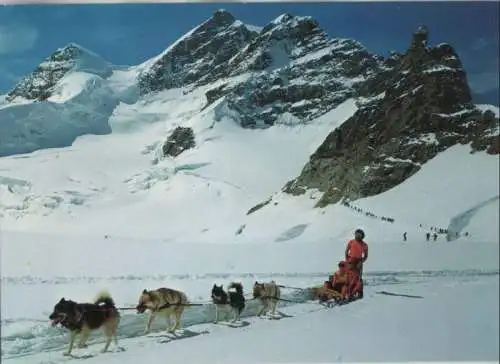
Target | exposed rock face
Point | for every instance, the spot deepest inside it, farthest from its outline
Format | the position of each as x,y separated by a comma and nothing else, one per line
295,72
306,75
200,56
420,106
181,139
39,84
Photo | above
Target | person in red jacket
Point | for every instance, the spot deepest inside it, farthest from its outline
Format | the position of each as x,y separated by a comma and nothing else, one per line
356,253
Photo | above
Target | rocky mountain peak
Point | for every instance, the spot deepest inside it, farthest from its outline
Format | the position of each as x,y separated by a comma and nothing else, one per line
299,73
285,38
39,84
71,51
282,19
199,55
438,69
420,37
416,107
222,17
290,26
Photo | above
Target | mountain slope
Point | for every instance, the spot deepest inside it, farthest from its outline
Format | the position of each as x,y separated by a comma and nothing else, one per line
290,73
254,114
422,108
65,97
198,56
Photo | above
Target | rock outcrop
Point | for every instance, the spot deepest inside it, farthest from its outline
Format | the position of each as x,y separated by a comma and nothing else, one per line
299,73
181,139
199,56
419,106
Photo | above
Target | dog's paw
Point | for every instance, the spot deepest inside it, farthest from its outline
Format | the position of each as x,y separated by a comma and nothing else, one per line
82,346
103,351
67,353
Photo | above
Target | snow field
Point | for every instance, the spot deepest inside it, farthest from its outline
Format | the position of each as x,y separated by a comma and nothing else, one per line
449,331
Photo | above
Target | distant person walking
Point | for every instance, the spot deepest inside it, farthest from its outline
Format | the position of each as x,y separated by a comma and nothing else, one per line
427,236
404,236
435,236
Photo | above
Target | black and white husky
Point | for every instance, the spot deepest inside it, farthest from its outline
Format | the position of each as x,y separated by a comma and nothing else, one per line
234,297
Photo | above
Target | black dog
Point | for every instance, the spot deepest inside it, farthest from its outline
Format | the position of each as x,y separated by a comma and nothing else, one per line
83,318
234,298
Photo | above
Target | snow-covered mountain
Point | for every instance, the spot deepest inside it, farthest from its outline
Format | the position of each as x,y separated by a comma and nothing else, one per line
420,108
245,153
231,114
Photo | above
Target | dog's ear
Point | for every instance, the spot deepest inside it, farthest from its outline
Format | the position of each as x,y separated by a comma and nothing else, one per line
62,299
256,283
144,291
214,286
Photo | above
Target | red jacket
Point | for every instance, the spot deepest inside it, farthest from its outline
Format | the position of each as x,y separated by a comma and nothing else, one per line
356,249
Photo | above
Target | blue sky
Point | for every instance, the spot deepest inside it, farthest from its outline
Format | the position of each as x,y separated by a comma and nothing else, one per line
132,33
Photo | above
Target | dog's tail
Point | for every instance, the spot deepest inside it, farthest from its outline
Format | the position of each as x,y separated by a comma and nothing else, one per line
104,297
238,287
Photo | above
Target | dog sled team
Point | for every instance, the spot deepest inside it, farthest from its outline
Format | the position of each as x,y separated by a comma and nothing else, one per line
345,285
84,318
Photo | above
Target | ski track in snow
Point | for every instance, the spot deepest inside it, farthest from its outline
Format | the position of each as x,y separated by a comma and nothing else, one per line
38,336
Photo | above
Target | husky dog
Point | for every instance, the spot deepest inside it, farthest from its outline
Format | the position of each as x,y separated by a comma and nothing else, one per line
83,318
269,295
325,292
165,302
234,298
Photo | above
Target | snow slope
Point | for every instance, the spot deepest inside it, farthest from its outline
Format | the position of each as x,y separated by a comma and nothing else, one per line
201,179
48,267
115,172
205,193
447,185
108,211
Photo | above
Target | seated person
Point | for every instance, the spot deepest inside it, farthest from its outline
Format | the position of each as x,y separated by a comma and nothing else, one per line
341,281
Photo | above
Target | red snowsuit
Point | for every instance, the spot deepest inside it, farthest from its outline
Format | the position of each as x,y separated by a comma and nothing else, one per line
356,253
355,284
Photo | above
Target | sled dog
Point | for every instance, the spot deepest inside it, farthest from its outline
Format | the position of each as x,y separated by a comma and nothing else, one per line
166,302
234,297
269,294
83,318
325,292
